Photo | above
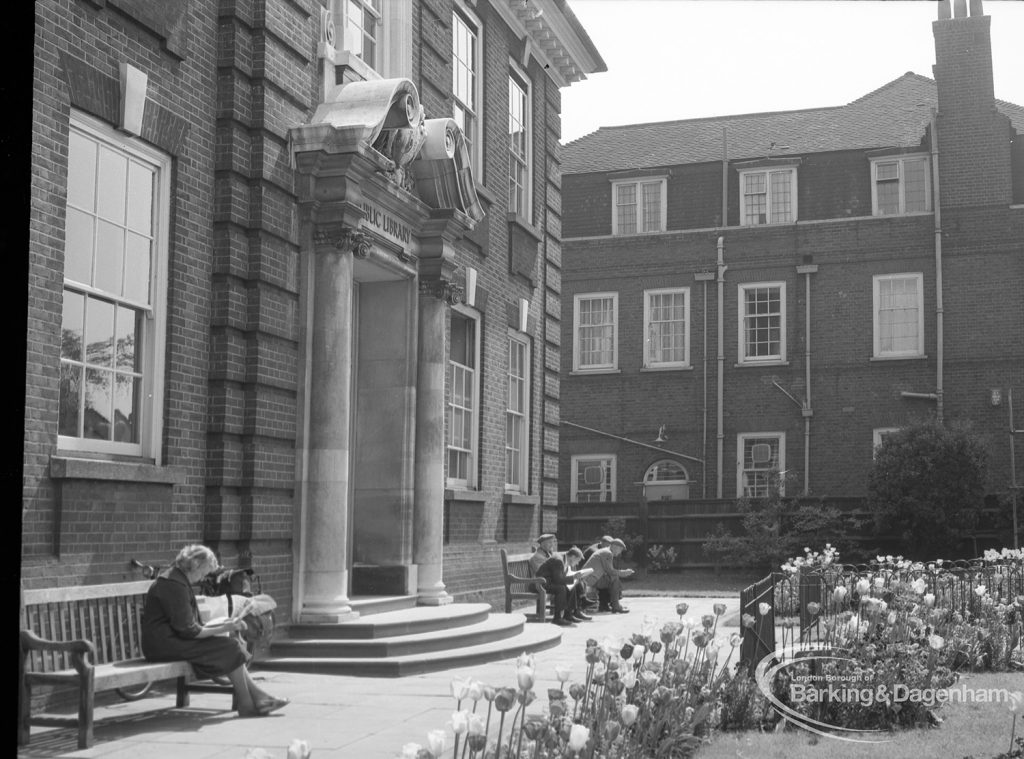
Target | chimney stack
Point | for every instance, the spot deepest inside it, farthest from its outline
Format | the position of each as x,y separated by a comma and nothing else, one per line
973,137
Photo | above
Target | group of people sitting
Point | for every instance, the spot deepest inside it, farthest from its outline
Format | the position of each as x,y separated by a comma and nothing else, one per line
597,584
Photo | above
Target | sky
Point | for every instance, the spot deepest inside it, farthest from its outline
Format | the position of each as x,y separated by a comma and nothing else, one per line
683,59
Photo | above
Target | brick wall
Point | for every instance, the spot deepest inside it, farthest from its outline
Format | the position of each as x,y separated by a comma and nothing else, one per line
78,51
983,272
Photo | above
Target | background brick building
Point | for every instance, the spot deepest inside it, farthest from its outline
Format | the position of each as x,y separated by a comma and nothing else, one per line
757,292
168,373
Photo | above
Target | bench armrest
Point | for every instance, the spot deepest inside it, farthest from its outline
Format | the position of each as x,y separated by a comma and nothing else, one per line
540,582
79,649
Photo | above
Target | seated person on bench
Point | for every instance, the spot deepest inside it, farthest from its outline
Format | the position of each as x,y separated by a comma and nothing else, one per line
562,580
171,630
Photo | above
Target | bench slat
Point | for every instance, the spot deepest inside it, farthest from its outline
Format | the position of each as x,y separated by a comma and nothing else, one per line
85,592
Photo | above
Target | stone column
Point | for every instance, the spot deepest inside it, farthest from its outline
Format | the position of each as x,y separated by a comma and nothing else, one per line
328,516
428,517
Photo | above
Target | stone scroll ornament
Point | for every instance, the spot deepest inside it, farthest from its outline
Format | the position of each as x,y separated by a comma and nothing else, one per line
444,176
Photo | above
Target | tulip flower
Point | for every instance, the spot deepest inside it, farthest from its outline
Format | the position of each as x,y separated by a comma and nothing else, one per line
719,609
628,678
863,586
476,743
764,607
578,737
748,620
436,741
655,646
629,714
879,582
476,726
918,585
460,688
936,642
980,591
648,677
459,722
611,730
300,749
813,608
626,652
525,677
476,690
707,620
735,639
411,750
562,673
576,691
928,599
839,594
682,607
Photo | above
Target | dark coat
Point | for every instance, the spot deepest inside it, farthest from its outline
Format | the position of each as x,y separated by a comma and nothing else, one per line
170,624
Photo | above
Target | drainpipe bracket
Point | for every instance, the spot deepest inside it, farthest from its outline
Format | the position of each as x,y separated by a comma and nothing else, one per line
807,269
806,412
704,276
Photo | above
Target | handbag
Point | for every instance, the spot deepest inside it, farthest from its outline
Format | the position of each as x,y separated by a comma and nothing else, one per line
231,582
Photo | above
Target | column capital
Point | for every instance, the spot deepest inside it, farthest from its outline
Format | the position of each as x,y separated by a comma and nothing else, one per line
343,237
446,290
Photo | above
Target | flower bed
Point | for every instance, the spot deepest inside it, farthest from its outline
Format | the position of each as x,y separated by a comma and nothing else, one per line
666,691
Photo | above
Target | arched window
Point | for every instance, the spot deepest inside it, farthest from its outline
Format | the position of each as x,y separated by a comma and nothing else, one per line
666,480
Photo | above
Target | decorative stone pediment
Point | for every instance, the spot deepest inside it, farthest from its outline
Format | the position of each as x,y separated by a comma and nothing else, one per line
427,157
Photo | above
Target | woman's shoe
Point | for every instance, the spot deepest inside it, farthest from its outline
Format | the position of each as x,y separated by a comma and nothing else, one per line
267,706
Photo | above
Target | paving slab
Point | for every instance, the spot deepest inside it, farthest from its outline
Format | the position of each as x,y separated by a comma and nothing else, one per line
342,717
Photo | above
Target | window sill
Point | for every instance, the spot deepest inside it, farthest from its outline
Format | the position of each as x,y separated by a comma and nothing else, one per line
648,233
755,364
67,468
519,499
356,64
484,192
471,496
522,223
673,368
915,357
586,372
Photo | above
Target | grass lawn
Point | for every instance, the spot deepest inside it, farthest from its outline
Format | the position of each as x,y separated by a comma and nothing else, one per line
691,582
968,729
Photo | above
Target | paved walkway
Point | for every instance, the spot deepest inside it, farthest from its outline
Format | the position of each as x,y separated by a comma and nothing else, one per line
341,717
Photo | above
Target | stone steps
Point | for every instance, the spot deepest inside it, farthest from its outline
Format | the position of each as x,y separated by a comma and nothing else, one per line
407,640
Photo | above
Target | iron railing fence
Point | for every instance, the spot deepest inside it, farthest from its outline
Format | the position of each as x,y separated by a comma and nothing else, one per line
799,606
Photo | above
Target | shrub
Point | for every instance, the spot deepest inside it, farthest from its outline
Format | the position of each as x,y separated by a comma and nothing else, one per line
616,527
660,558
775,528
927,486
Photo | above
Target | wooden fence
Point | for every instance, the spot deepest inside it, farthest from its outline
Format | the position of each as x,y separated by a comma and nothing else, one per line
686,525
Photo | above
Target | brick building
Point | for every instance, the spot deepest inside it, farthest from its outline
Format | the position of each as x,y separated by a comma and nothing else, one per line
294,281
775,291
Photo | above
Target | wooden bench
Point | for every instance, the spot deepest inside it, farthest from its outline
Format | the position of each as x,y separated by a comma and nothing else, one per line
88,637
520,583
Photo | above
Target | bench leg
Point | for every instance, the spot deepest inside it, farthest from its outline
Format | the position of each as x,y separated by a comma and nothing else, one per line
86,702
508,601
183,695
542,605
24,710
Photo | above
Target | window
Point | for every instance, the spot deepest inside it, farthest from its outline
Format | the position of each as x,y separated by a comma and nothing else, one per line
666,328
465,74
762,456
900,185
113,320
596,331
762,321
666,480
639,206
517,416
593,478
767,197
361,22
519,184
463,399
878,435
898,316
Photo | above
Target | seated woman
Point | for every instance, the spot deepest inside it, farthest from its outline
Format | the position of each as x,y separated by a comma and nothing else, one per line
171,630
